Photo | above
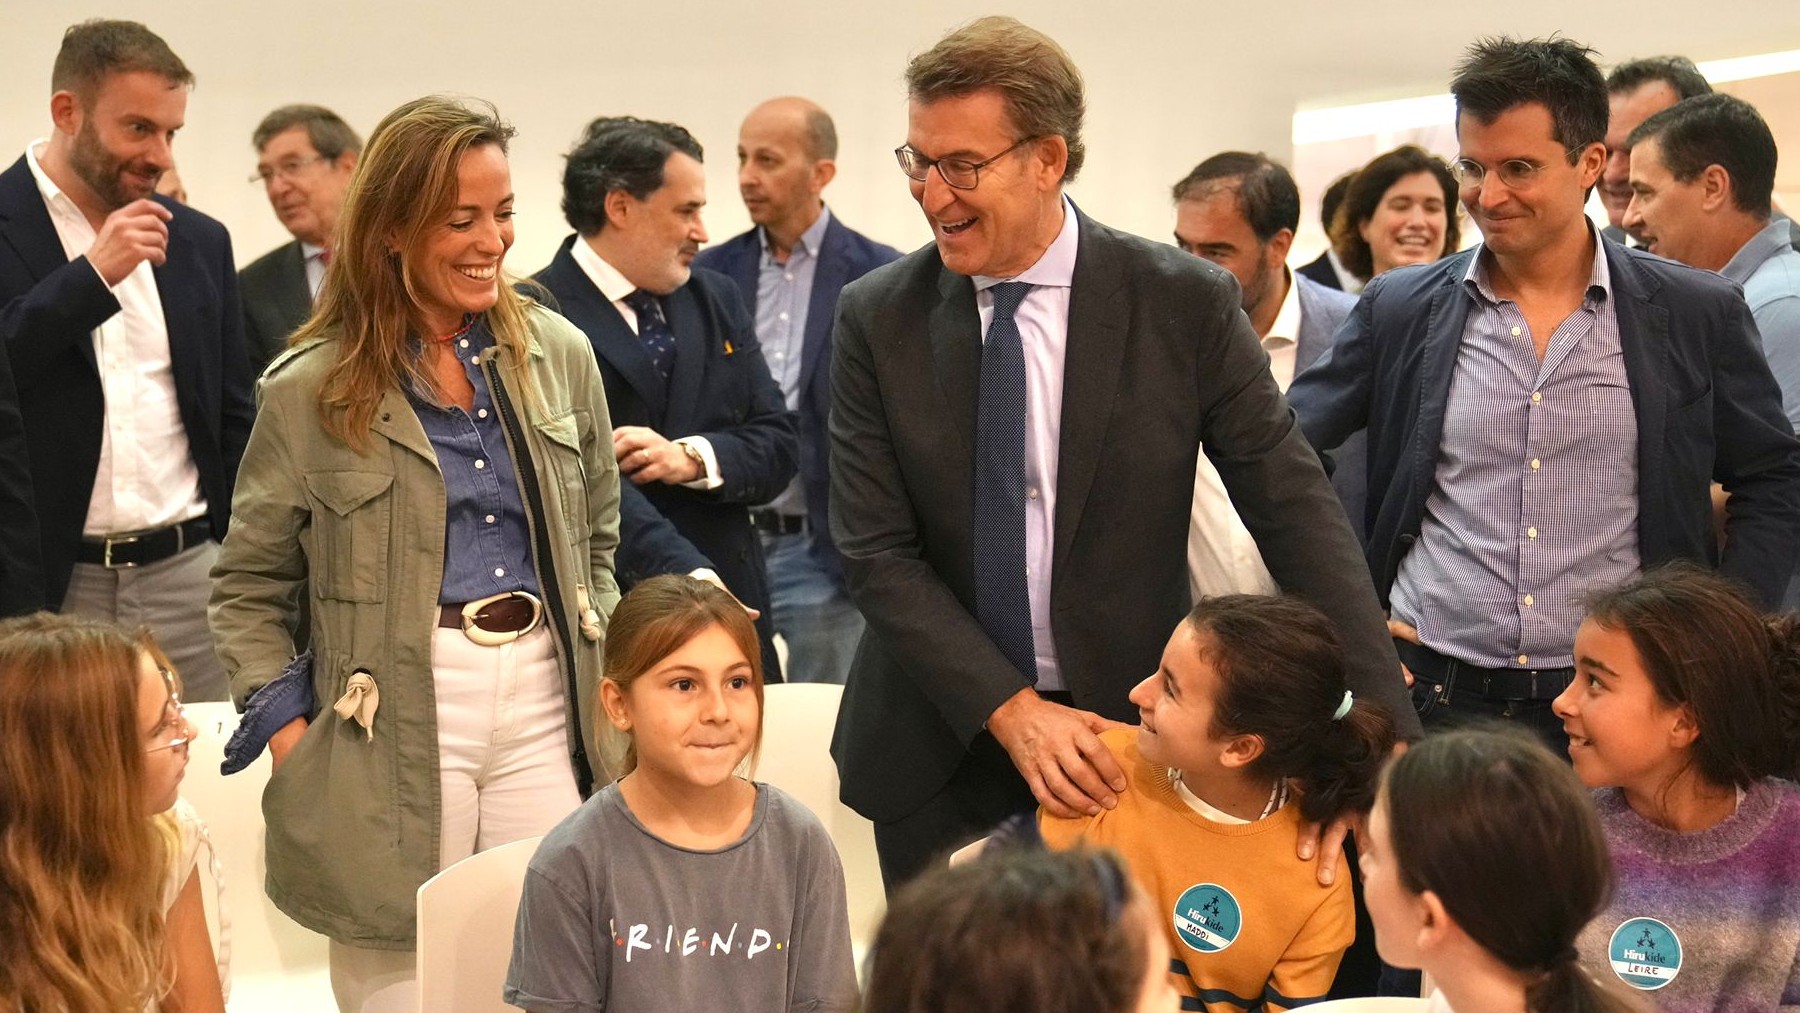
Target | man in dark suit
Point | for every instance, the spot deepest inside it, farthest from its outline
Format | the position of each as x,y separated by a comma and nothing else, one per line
1546,413
1326,269
305,155
1012,505
700,427
790,269
122,325
1239,210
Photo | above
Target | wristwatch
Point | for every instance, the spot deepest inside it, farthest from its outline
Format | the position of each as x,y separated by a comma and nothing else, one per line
694,455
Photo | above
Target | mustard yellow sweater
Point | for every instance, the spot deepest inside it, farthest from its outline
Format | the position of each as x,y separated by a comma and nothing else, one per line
1248,924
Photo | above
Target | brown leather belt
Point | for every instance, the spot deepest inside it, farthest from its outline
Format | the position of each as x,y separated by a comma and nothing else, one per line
514,614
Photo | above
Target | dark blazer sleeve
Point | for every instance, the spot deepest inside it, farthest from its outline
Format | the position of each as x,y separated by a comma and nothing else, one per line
649,543
60,310
759,455
1757,459
21,567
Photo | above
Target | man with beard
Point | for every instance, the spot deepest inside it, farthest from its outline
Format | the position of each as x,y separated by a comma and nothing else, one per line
119,312
700,427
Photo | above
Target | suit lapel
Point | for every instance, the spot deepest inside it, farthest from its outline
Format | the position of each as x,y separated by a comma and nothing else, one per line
615,344
1444,329
1099,330
1313,336
295,295
743,264
829,273
1644,339
682,308
25,226
955,329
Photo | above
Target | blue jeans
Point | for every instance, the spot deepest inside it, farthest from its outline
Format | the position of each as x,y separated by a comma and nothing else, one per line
812,610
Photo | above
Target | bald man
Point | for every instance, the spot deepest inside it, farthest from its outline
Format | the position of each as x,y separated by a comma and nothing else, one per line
790,268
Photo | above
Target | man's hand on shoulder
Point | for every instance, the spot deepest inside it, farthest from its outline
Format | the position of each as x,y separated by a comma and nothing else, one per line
1059,752
137,232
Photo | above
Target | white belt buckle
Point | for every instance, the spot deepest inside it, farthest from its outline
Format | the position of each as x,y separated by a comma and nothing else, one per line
491,638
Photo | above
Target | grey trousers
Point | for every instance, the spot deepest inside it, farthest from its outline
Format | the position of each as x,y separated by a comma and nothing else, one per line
167,598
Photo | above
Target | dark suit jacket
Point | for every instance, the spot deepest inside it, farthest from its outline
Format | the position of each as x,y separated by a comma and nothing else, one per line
1707,410
844,256
1160,358
721,389
276,302
49,307
1322,312
1321,272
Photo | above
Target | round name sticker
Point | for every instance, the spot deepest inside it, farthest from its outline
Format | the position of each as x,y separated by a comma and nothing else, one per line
1645,953
1207,917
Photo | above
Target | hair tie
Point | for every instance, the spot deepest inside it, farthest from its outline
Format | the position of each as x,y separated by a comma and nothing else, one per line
1343,708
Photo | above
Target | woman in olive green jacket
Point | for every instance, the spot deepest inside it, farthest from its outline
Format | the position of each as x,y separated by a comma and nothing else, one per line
370,453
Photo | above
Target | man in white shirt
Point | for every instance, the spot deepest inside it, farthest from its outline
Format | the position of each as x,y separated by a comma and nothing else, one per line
1239,210
305,155
121,321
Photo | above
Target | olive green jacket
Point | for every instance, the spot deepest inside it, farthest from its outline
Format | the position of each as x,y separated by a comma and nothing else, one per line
353,815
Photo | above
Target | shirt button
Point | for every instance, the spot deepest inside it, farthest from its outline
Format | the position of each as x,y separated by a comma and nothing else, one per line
1530,532
479,464
788,277
1534,464
784,317
464,343
1516,332
1524,659
490,518
1031,494
481,413
500,571
1537,397
1530,601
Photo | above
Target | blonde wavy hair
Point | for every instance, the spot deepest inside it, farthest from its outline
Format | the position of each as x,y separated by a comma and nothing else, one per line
404,188
81,863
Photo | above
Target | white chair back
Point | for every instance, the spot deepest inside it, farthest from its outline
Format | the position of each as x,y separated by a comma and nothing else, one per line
798,719
275,964
466,917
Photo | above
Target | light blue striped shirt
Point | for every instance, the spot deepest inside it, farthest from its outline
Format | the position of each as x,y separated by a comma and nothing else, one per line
1534,499
783,296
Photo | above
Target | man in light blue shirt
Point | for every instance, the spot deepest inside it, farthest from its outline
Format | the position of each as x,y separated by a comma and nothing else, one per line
790,268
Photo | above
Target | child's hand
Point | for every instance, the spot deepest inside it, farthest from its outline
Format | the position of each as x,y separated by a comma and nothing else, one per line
1059,752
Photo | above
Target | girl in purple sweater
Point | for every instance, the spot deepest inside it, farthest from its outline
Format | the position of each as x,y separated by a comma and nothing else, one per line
1685,714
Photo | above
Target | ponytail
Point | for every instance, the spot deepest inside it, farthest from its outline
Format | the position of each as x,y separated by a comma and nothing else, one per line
1567,987
1281,678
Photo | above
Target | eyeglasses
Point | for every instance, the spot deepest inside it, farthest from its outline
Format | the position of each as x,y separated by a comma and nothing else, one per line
174,728
1514,173
959,173
285,169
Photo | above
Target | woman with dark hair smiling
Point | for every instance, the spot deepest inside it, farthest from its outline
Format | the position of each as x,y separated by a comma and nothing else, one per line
1401,209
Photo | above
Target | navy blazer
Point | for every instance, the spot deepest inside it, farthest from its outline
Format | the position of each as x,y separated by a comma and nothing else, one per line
49,307
1320,271
1707,410
844,256
277,300
720,389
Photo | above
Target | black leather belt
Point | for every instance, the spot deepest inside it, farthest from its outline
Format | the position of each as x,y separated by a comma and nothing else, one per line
141,548
775,522
1490,683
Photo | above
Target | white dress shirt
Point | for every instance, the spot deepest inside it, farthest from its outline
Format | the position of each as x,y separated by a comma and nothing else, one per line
1043,319
146,477
1222,556
615,287
314,260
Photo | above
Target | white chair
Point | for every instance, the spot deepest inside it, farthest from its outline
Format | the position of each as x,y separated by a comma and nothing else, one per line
275,964
796,757
1373,1004
466,917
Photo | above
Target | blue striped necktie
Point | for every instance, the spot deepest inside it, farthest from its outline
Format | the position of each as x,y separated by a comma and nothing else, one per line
654,331
1002,604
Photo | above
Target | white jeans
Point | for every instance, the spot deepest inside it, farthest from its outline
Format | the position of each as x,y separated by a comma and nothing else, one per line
503,775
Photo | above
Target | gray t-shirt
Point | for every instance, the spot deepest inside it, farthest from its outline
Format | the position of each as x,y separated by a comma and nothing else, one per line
615,918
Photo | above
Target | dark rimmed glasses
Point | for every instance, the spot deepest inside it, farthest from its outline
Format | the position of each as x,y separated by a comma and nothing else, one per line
959,173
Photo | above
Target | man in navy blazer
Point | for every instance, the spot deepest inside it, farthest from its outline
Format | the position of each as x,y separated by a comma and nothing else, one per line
790,269
119,311
1546,413
700,428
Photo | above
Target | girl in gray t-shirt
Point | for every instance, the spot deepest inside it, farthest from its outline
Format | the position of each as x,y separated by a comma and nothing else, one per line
683,886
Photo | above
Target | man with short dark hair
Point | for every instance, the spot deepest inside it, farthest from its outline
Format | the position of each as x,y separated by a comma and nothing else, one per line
790,268
1635,90
305,155
1017,409
1239,211
700,427
1547,411
1327,269
121,320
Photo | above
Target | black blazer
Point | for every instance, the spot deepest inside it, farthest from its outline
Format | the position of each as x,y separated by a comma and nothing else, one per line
276,302
1160,359
721,389
51,307
844,256
1321,272
1707,410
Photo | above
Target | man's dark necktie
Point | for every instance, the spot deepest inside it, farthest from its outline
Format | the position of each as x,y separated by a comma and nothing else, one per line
1001,602
654,331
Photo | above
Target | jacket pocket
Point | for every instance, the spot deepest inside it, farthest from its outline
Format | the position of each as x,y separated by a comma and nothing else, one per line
567,474
351,534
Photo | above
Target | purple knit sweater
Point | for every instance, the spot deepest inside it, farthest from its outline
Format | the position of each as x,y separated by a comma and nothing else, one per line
1708,921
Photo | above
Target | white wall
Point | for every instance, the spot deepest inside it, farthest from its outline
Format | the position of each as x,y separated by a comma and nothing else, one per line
1170,81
